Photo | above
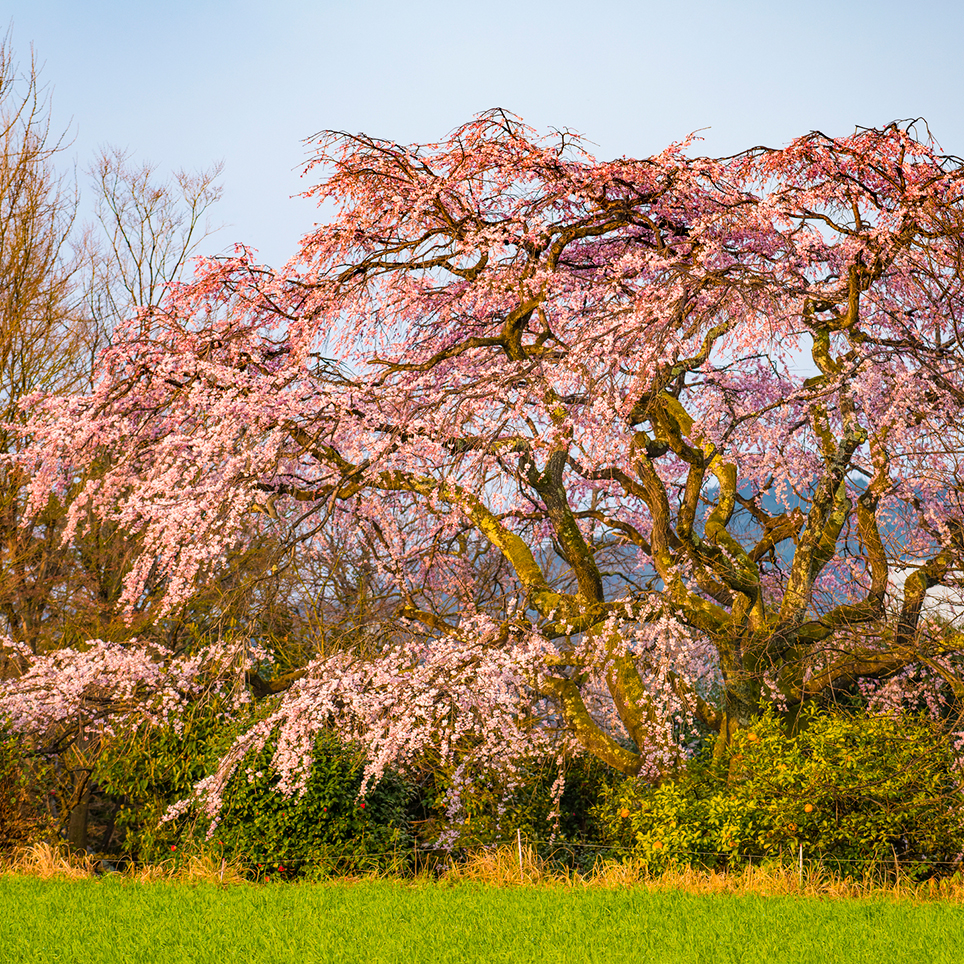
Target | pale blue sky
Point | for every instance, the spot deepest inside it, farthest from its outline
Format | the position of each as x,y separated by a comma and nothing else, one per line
186,83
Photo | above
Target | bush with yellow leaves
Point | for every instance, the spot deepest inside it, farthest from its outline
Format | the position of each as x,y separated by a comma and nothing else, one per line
860,793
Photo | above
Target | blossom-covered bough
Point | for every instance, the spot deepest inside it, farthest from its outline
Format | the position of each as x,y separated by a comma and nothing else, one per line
69,703
698,410
107,686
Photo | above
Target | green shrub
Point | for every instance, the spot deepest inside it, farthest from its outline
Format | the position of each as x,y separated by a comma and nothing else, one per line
145,774
493,812
26,782
327,830
859,792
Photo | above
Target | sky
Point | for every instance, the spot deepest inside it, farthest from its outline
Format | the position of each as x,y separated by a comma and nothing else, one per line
186,84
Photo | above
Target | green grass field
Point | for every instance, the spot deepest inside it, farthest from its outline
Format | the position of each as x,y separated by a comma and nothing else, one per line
121,922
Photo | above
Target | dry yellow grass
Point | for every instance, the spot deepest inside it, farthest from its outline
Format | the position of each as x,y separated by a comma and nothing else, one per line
42,860
194,870
47,862
501,867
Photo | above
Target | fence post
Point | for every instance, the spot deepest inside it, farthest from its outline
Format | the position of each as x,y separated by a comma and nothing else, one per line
518,835
801,866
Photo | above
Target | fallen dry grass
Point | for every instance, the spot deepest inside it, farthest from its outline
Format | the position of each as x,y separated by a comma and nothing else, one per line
47,862
42,860
501,867
193,870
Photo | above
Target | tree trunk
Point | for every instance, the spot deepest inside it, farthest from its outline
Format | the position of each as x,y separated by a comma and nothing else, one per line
77,822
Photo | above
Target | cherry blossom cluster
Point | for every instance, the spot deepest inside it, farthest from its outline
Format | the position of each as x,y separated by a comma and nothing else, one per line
109,687
459,703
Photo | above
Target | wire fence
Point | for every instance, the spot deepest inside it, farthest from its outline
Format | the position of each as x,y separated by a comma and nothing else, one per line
583,855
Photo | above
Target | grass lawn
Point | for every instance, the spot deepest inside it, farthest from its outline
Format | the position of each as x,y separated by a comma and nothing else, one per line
118,921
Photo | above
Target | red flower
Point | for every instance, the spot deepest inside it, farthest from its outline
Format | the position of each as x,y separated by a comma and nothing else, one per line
363,806
173,847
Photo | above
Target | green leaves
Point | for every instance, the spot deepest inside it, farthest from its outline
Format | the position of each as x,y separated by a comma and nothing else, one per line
858,792
329,829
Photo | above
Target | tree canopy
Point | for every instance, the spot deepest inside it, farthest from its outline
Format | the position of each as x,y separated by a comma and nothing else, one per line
636,442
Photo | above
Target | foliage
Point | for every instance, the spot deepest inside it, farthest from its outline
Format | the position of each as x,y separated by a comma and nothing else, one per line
26,782
115,701
550,801
858,792
328,828
151,769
